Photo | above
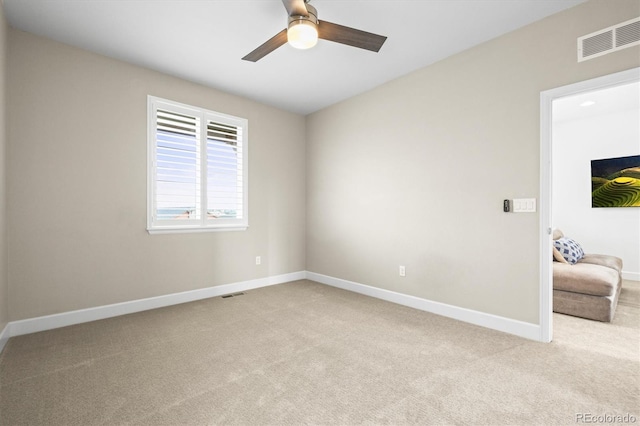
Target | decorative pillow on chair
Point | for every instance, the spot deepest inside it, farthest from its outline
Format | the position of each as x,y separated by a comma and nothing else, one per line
569,249
557,256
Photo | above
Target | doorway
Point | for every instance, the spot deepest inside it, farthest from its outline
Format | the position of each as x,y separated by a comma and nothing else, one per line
547,99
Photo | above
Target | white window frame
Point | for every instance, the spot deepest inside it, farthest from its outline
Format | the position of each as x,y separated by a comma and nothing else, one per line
204,224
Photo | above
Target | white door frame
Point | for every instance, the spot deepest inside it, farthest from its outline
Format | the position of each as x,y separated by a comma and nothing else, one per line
546,114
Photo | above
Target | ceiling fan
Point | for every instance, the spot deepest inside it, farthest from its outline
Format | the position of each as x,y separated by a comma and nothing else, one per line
305,29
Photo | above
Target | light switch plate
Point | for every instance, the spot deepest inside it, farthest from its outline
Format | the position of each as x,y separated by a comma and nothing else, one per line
524,205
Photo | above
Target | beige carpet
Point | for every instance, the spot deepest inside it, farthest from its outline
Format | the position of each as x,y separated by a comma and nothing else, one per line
305,353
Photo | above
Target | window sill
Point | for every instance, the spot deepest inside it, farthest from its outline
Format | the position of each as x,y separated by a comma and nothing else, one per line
190,230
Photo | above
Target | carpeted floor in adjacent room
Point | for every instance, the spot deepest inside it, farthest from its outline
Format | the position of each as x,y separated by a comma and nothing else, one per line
306,353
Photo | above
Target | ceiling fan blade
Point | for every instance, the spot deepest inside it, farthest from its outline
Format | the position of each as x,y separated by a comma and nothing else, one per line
267,47
350,36
295,7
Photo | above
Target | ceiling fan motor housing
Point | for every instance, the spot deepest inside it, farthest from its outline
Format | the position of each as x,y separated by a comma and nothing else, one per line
312,17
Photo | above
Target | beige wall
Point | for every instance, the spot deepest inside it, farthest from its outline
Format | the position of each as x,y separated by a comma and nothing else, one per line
77,186
4,283
414,172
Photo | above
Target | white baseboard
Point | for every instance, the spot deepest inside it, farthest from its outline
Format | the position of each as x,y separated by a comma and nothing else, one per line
633,276
4,337
33,325
507,325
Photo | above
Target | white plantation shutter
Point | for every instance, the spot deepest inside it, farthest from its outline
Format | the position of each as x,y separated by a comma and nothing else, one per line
224,171
177,171
197,169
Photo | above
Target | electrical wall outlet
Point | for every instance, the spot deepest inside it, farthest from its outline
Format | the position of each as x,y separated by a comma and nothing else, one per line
258,260
402,271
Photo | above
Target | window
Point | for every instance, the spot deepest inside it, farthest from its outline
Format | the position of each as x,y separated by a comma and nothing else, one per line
197,169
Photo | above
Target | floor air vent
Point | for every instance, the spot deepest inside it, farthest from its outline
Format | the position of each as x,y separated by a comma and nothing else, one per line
609,40
226,296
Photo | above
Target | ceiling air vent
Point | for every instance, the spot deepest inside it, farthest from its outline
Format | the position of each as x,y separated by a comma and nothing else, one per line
609,40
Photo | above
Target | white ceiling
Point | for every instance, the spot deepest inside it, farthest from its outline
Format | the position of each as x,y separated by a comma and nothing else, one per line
610,100
203,40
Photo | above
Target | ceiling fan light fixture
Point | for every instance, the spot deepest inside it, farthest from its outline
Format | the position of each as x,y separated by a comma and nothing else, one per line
302,33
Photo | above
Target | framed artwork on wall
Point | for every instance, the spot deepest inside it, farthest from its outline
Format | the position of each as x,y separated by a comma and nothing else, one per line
615,182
